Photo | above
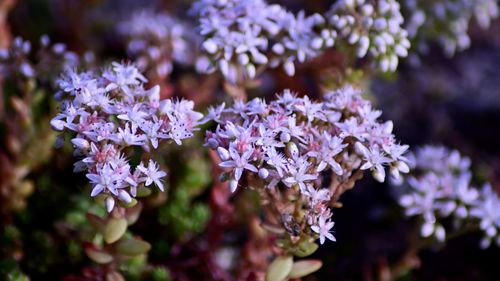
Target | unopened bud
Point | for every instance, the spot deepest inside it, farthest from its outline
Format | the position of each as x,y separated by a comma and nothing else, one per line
263,173
57,124
292,150
110,203
223,153
80,143
124,196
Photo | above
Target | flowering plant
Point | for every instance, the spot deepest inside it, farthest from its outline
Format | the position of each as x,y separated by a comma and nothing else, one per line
440,191
112,112
300,156
261,191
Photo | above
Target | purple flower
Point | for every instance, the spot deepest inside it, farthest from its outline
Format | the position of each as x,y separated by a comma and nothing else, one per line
323,228
239,162
152,174
111,111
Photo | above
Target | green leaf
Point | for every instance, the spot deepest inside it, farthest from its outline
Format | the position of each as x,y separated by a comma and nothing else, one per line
143,191
133,247
97,222
98,255
128,205
132,214
279,269
115,228
304,267
305,248
114,276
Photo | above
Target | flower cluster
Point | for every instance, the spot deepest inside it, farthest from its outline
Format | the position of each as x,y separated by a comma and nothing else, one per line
158,40
372,27
241,42
291,143
111,111
440,191
446,21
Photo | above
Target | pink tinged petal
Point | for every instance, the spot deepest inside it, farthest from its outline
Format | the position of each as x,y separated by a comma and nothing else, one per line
123,117
113,190
57,125
237,173
329,225
336,168
309,177
366,166
330,236
233,185
131,181
251,168
154,143
227,164
315,228
94,178
322,165
361,149
160,185
289,181
97,190
321,239
149,181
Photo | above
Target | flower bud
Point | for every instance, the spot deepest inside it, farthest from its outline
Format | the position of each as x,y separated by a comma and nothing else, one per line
210,46
402,167
440,233
124,196
80,143
379,174
263,173
317,43
250,68
289,68
278,49
212,143
109,203
285,137
57,124
427,229
243,59
292,150
223,153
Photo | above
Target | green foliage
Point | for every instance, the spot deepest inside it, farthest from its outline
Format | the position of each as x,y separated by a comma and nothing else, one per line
181,213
